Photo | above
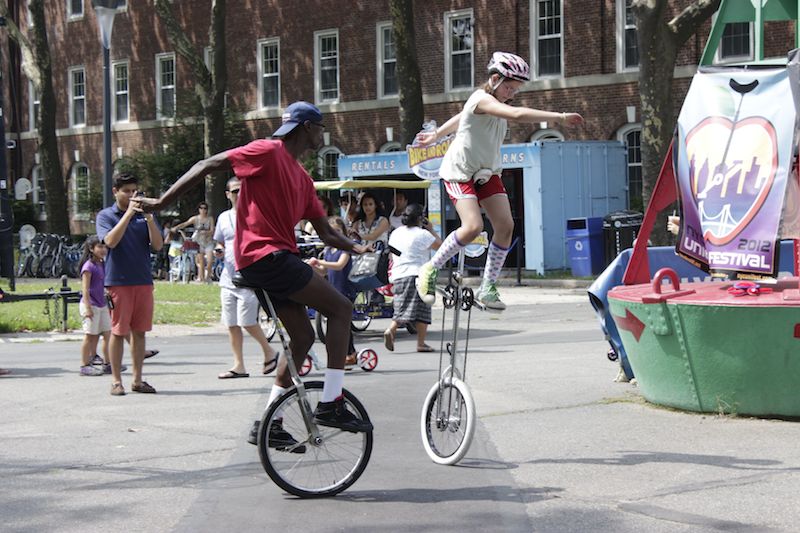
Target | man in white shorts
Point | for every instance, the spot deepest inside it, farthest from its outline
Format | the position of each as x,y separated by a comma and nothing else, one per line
239,306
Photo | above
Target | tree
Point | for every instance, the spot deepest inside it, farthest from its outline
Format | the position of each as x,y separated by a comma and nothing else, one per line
660,40
37,66
412,112
210,86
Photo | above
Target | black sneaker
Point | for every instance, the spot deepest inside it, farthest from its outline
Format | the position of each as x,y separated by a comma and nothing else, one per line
252,438
279,438
282,440
335,415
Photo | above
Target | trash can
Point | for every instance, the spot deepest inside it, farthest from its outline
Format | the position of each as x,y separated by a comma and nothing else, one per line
585,244
620,229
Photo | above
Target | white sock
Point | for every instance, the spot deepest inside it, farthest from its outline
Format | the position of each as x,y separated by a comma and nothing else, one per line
334,380
274,393
494,262
448,249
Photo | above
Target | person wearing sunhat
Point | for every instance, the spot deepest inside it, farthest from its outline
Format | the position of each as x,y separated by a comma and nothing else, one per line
276,193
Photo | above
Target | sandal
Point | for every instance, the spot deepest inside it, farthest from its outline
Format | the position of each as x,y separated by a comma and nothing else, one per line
143,387
388,340
231,374
424,348
350,361
117,389
150,353
269,366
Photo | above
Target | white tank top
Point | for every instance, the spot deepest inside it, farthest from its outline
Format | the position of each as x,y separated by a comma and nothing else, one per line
477,143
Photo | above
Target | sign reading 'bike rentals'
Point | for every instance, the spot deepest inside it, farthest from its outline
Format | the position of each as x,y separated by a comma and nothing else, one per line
735,138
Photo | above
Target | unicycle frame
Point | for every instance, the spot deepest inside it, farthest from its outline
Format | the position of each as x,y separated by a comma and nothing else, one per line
308,416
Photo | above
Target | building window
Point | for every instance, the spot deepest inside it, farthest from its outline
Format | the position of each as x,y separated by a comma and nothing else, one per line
39,193
548,27
392,146
328,160
627,40
547,135
631,137
387,62
121,112
74,9
77,100
33,107
459,49
736,42
165,86
326,65
81,199
269,73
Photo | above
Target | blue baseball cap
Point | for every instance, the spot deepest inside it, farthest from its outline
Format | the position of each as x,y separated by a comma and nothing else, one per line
297,113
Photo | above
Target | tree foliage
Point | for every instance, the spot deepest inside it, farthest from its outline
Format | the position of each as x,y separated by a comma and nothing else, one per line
411,109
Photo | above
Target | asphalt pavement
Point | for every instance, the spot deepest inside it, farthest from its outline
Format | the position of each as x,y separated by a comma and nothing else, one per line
559,446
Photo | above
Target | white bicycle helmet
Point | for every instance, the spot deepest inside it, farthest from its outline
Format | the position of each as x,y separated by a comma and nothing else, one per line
510,66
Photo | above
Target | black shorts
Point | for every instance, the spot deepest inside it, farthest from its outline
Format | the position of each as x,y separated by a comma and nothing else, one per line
281,274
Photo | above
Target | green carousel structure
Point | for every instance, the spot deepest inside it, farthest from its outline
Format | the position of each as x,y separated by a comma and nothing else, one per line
732,344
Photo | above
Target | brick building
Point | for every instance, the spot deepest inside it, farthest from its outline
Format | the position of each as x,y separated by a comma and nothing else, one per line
339,55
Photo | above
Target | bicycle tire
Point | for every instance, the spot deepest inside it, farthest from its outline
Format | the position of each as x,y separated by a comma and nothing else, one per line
325,469
360,323
447,423
268,325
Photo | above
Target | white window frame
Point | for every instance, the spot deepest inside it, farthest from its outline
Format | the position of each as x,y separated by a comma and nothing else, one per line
448,52
73,99
318,36
547,134
534,10
321,154
160,88
116,92
71,15
719,60
622,29
622,136
80,215
391,146
33,102
40,211
261,44
381,61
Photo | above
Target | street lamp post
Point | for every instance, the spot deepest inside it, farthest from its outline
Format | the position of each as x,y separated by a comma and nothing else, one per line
105,11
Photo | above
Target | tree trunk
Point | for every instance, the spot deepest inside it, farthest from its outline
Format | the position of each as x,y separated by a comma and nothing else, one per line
37,67
659,42
412,112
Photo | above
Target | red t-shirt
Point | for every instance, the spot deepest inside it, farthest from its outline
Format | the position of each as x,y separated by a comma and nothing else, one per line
276,193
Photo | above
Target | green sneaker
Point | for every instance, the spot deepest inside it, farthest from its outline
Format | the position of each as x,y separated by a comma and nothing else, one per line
426,283
489,297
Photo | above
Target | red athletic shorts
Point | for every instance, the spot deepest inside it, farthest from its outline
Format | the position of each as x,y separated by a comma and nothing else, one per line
133,308
469,189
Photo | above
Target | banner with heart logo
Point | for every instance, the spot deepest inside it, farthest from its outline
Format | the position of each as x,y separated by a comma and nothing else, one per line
736,133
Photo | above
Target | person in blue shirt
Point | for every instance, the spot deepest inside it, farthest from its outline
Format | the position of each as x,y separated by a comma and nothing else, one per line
129,233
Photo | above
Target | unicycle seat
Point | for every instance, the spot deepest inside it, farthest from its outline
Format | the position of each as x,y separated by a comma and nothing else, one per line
240,282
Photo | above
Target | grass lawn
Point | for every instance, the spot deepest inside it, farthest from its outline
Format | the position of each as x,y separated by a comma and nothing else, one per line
191,304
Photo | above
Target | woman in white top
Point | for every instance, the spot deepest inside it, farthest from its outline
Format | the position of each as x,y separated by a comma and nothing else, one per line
203,235
414,240
370,224
471,171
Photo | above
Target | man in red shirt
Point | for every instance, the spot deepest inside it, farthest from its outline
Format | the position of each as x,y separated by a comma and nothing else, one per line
276,193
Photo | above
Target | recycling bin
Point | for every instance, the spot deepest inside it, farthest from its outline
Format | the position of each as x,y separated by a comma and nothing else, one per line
585,245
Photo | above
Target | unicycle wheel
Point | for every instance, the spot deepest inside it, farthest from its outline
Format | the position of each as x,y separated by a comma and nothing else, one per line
306,367
367,359
447,423
302,465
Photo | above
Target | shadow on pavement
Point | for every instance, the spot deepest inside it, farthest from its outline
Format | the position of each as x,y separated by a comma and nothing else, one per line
638,458
498,493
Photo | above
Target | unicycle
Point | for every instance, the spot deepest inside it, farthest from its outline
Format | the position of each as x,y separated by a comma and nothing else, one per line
323,461
447,423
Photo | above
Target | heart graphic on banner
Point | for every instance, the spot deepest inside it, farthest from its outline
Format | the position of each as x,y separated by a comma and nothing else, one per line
730,193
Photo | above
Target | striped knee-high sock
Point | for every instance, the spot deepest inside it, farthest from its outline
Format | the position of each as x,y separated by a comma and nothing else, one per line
448,249
494,262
